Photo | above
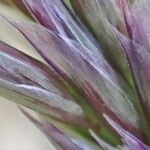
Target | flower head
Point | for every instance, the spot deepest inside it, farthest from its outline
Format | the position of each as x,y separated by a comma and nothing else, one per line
92,90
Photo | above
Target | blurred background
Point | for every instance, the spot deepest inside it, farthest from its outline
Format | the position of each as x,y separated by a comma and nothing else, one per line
16,131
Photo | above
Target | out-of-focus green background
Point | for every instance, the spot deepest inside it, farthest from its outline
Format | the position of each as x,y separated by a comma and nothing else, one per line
16,131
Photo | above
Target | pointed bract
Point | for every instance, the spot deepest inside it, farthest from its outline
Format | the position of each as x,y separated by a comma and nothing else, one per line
34,85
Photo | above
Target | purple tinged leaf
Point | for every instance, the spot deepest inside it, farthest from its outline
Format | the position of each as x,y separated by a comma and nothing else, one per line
102,143
34,85
86,68
37,10
141,14
137,21
54,16
58,137
139,62
137,46
94,14
59,140
131,141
